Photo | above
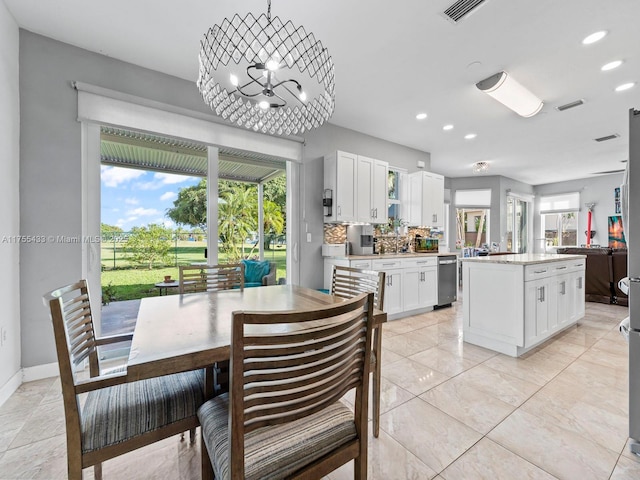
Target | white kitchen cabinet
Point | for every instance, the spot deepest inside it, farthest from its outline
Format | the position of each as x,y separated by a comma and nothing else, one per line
513,304
393,283
329,262
538,310
340,172
358,185
371,188
426,199
420,283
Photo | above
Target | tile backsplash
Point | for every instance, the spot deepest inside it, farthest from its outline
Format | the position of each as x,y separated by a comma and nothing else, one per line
338,234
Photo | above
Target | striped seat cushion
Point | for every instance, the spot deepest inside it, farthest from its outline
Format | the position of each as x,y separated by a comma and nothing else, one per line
115,414
276,451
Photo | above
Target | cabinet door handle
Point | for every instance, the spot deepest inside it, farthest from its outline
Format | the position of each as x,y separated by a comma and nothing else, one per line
434,217
541,294
579,283
376,212
339,211
562,288
539,271
561,268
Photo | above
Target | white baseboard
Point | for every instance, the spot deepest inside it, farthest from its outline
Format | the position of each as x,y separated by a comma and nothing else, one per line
29,374
10,387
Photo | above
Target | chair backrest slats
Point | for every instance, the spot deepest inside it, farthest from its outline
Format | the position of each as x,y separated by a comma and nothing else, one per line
211,278
285,376
347,282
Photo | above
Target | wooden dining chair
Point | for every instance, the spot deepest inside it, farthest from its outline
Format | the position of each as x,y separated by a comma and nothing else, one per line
211,278
348,282
116,417
283,417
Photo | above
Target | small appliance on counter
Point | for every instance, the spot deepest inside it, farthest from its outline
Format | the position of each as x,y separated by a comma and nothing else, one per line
425,245
360,238
334,250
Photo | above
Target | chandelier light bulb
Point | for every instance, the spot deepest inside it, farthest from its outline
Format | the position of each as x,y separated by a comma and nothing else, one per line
272,65
625,86
303,96
234,80
264,104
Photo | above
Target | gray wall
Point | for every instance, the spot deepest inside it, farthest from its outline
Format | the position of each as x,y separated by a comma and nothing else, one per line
50,159
9,198
326,140
598,190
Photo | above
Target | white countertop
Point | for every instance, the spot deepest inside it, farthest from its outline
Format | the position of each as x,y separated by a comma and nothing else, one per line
524,258
390,255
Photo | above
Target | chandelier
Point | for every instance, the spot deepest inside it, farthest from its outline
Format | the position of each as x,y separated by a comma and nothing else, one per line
277,57
480,167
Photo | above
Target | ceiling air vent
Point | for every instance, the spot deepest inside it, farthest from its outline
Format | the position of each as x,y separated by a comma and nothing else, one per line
608,137
567,106
461,8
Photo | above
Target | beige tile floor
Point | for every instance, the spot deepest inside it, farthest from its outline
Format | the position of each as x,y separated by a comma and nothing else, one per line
450,411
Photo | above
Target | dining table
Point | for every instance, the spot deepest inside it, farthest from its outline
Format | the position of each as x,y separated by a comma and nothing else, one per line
178,333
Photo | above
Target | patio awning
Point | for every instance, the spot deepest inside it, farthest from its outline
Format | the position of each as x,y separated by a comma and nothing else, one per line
131,149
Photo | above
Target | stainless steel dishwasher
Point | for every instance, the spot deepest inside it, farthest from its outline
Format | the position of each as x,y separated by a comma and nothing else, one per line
447,280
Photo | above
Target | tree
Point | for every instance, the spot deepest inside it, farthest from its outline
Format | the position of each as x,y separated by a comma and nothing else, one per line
238,218
190,208
238,213
150,244
108,230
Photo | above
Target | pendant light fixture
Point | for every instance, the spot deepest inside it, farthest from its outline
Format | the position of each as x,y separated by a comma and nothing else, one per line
505,89
266,75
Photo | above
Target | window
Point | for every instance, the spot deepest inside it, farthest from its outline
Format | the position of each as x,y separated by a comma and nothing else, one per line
472,217
559,219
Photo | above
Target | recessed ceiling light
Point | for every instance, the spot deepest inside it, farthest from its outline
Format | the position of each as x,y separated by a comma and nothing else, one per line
470,136
594,37
625,86
611,65
448,127
421,116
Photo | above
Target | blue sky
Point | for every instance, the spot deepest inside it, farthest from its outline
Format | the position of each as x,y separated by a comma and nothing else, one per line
133,198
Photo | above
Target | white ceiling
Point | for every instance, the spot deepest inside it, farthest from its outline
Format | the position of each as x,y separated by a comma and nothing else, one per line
395,59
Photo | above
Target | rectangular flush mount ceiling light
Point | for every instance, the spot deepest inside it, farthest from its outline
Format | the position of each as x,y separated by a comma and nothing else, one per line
511,94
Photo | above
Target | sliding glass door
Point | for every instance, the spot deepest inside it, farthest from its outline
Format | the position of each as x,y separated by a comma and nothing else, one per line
518,216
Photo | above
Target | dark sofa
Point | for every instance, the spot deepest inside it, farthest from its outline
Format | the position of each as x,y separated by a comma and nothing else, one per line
605,267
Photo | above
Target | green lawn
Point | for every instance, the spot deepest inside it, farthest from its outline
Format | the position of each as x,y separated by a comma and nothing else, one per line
132,282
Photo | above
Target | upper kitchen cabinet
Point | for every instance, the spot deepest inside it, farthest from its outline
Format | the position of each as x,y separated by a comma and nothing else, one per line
340,172
357,186
371,187
426,199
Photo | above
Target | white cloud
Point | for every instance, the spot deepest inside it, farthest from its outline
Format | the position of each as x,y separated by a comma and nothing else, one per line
170,178
142,212
114,176
162,179
131,201
168,196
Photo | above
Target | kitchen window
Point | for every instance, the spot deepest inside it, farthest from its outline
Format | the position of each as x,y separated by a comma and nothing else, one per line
559,220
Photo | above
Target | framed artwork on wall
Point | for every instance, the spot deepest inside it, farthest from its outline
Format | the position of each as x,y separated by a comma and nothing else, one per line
616,233
616,199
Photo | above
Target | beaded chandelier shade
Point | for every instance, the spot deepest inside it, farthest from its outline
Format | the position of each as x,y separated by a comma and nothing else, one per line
266,98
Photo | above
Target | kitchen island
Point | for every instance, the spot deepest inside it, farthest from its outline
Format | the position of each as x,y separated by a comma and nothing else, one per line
512,303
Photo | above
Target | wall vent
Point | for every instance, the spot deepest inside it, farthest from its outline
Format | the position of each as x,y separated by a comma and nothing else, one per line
458,10
567,106
608,137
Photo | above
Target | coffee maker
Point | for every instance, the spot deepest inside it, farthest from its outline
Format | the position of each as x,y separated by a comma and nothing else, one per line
360,238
